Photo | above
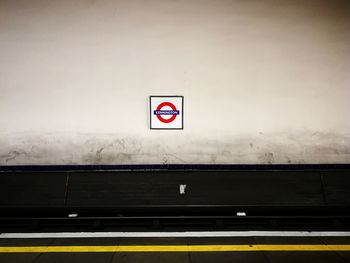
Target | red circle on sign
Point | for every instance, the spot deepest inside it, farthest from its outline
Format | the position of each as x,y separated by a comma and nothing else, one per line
172,106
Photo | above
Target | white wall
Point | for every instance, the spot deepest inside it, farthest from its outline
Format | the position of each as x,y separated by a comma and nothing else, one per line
263,81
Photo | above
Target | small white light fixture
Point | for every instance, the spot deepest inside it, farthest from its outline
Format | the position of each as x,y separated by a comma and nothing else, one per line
241,214
182,189
73,215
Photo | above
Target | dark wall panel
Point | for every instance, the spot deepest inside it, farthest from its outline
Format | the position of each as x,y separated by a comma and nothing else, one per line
337,187
125,188
202,188
255,188
32,189
103,189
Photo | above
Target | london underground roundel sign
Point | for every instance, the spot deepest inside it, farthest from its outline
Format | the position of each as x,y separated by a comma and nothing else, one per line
166,112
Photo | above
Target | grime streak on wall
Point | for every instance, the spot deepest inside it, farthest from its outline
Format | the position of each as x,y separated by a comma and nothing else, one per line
303,147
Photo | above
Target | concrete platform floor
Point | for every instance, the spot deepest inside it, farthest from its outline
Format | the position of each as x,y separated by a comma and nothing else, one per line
176,249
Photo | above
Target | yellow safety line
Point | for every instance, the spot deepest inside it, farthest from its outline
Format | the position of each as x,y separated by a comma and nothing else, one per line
173,248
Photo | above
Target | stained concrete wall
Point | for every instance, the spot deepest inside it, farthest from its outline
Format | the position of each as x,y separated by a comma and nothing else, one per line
263,81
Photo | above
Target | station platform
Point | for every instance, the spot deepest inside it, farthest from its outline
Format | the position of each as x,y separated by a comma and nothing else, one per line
166,247
67,208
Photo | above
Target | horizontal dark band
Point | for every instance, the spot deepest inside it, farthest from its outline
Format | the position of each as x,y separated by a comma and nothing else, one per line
187,167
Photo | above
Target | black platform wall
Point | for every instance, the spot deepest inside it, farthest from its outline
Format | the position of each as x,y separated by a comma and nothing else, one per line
120,190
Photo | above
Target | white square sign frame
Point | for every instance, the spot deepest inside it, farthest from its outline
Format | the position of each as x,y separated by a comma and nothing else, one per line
172,109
